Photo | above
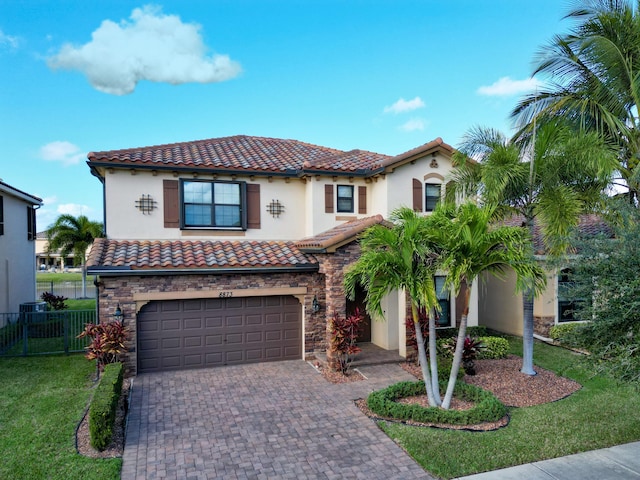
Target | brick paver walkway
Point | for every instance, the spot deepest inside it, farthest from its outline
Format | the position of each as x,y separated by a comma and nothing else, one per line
261,421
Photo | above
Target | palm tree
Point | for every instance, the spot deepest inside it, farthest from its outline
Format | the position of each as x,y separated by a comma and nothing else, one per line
474,245
554,175
70,234
401,257
593,78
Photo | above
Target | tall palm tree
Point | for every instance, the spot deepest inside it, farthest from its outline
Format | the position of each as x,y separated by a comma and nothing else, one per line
554,175
473,245
593,80
401,257
70,234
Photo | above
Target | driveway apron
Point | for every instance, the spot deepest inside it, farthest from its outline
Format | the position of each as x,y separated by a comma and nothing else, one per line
269,420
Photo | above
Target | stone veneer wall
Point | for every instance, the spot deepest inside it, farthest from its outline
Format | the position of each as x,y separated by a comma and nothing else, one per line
542,325
333,265
114,291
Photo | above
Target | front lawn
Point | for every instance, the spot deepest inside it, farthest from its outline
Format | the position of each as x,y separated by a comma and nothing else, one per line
603,413
42,399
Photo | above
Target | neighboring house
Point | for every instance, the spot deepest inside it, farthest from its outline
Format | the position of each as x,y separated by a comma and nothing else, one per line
17,247
46,260
232,250
501,308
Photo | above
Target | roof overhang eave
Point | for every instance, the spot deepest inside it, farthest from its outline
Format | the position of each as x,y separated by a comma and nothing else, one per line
128,271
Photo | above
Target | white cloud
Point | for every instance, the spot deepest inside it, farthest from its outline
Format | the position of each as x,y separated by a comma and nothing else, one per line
151,46
46,201
506,87
403,105
8,41
61,151
412,125
73,209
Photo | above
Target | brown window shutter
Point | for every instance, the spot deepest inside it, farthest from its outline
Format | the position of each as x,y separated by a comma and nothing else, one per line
253,205
328,199
362,199
417,195
171,204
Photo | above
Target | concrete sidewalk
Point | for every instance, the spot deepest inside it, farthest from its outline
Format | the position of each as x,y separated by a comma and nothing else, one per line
621,462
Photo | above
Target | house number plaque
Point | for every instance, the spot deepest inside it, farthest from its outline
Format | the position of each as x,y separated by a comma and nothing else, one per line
225,294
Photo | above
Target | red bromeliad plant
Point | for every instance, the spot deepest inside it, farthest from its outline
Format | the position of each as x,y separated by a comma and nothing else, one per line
108,342
344,332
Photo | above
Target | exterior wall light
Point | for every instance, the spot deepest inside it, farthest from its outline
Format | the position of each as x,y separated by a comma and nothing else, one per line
315,306
118,316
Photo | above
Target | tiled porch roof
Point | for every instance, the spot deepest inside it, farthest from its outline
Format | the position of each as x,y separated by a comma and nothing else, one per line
589,225
242,153
337,236
192,255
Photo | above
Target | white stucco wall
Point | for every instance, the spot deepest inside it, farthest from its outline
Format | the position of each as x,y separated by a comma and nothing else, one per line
500,308
17,257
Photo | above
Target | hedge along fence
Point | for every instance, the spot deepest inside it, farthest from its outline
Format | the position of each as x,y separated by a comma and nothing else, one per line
102,411
487,407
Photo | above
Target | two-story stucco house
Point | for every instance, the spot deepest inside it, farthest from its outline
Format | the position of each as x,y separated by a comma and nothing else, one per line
17,247
232,250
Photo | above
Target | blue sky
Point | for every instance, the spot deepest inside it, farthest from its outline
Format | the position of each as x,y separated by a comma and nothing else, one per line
378,75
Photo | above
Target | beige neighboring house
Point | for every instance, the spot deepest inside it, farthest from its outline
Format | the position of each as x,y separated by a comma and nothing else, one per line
50,261
17,247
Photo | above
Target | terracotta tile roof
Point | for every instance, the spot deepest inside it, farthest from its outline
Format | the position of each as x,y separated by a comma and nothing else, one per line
430,147
242,153
588,225
140,255
337,236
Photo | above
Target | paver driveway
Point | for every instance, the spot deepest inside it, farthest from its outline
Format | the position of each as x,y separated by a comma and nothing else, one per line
270,420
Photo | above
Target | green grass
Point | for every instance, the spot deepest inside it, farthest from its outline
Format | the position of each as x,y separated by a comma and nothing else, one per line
42,399
81,304
603,413
61,277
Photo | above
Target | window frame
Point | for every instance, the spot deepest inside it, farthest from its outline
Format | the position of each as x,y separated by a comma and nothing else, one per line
443,317
242,206
350,199
428,199
566,308
1,215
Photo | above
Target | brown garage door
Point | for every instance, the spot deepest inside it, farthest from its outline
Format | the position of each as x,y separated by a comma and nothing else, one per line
180,334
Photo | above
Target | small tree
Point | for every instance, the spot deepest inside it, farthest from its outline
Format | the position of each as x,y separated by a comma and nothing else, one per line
107,342
343,334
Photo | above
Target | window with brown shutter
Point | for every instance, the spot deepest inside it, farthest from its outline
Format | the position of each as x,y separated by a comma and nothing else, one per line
171,200
31,223
362,199
328,199
253,205
417,195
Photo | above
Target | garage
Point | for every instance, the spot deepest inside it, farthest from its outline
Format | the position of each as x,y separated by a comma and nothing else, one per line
211,332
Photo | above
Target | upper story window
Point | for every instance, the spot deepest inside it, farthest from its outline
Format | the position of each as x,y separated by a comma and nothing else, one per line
345,198
31,223
208,204
431,196
1,215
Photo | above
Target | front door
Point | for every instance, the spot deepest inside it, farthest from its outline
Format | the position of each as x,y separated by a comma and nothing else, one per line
358,303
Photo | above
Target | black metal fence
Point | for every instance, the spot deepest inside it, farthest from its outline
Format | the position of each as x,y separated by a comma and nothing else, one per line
72,290
35,333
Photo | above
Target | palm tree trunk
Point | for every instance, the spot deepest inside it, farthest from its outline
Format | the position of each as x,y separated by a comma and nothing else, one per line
433,357
527,322
422,356
84,280
527,333
457,356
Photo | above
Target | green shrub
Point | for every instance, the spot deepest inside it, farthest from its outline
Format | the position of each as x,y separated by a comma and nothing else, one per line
452,332
562,330
102,411
495,347
487,407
